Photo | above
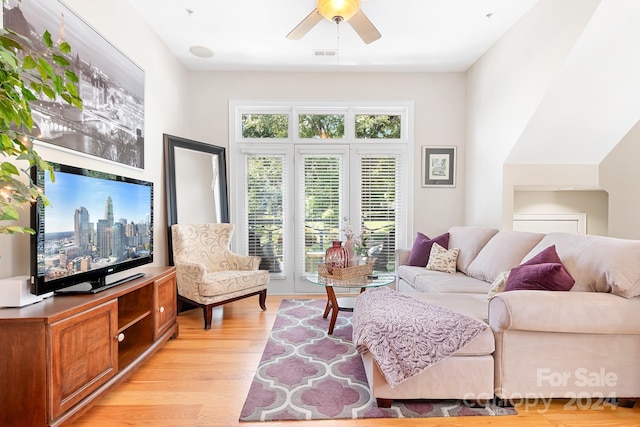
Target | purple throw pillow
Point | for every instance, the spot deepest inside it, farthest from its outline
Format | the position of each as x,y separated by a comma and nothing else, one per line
547,255
421,249
543,277
544,272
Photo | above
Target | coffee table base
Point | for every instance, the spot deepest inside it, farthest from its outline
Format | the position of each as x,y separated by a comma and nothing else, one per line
346,303
334,305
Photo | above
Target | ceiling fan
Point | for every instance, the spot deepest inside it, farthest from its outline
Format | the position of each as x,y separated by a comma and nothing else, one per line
338,11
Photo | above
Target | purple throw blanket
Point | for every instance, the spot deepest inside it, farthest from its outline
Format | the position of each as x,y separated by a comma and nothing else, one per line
406,335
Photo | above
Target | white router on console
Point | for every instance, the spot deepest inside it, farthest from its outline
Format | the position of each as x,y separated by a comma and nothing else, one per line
15,292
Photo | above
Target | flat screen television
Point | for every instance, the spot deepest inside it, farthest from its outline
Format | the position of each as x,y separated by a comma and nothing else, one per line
97,224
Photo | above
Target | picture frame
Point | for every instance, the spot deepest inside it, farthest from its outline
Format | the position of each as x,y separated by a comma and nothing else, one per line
110,125
438,166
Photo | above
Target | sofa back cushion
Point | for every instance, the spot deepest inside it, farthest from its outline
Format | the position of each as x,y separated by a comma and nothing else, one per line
470,240
503,252
597,263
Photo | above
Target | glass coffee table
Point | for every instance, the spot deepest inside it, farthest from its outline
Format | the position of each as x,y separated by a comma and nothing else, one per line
334,304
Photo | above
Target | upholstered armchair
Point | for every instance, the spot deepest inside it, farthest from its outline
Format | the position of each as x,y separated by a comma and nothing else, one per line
208,273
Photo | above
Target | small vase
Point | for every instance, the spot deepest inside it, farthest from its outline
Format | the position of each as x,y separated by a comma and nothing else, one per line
336,256
350,245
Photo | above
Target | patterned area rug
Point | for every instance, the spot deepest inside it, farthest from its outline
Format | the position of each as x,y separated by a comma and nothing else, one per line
306,374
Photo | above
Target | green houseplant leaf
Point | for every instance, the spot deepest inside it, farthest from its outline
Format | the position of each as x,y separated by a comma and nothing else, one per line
26,75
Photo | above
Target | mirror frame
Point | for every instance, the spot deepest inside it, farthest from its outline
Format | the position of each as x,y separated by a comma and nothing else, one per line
170,144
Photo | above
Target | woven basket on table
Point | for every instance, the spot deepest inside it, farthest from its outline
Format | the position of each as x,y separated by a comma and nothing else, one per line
347,272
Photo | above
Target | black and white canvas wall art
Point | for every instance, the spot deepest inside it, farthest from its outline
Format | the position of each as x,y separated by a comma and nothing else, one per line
111,123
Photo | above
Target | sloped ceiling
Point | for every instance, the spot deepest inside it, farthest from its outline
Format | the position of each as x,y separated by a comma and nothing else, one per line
595,98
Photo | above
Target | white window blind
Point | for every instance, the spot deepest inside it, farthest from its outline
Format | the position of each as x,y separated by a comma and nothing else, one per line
322,191
266,190
381,205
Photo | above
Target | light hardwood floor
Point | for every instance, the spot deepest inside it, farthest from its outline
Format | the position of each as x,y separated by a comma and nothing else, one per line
202,379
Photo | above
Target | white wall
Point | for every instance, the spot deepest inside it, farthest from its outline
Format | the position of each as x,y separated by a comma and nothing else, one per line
166,96
439,100
619,176
504,88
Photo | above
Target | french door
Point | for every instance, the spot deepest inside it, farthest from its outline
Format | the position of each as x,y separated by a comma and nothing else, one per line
302,174
298,199
321,206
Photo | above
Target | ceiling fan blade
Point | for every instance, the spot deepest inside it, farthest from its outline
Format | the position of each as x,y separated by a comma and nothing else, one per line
305,25
365,29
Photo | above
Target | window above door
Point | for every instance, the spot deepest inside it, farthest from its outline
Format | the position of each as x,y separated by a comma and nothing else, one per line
335,122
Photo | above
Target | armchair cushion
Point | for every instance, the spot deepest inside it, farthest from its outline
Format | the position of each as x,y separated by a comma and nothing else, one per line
231,282
208,273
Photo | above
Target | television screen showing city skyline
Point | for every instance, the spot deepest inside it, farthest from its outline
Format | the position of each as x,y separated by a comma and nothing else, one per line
69,192
95,221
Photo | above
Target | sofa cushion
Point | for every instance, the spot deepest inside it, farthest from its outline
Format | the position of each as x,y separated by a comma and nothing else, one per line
437,281
422,248
505,250
598,264
442,259
409,273
470,240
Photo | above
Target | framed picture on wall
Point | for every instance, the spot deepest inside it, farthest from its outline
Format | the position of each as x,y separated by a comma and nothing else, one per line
110,125
438,166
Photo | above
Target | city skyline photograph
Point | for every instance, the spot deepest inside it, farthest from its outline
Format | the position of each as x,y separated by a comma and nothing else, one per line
111,86
130,201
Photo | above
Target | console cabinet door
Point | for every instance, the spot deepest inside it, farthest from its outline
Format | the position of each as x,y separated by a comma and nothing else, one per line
84,351
165,304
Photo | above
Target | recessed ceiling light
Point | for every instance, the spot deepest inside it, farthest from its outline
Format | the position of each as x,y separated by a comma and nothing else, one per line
201,51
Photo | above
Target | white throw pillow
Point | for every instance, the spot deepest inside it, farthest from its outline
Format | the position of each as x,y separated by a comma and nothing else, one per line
441,259
498,285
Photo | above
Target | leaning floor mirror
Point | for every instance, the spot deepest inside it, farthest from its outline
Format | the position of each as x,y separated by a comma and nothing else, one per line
196,183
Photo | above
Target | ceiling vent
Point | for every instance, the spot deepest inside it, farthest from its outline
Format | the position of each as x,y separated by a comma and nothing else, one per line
325,52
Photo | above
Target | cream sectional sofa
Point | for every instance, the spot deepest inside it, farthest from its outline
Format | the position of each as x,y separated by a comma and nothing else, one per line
582,344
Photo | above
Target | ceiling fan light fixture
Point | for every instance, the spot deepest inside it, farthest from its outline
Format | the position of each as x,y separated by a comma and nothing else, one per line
345,9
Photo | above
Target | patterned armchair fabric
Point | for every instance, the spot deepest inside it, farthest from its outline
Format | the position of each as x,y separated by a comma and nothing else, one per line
208,273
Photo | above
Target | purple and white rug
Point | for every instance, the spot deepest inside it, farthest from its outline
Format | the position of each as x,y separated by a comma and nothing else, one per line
306,374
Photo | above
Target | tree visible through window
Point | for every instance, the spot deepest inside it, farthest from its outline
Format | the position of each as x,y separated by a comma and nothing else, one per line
265,125
321,126
377,126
